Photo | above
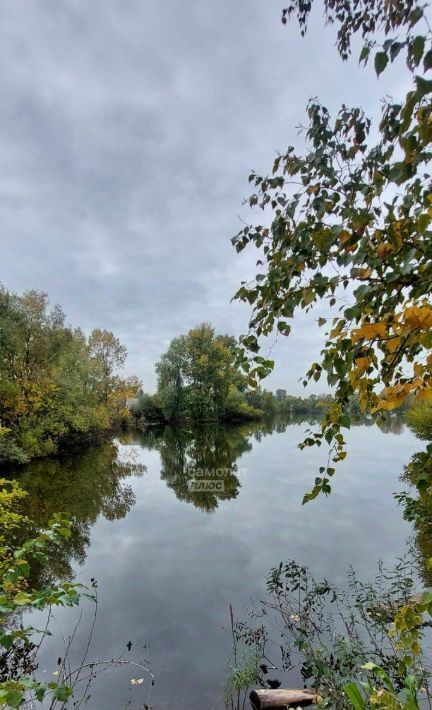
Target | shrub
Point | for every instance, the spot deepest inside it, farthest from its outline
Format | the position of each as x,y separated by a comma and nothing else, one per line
355,646
10,452
148,408
17,655
419,420
237,408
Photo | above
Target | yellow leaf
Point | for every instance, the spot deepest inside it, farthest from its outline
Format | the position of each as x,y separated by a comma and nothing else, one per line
418,316
362,364
370,331
384,249
344,236
392,397
393,344
364,274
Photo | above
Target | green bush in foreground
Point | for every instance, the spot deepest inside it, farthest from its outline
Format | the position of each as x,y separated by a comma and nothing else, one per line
18,684
358,647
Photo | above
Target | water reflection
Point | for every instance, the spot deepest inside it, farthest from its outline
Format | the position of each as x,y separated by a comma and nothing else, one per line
93,483
168,571
85,486
391,424
210,453
196,457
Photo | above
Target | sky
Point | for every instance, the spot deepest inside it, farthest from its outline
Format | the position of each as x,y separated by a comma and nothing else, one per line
128,130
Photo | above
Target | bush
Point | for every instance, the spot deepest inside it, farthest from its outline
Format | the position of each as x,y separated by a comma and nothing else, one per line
10,452
18,649
237,409
355,646
419,420
21,590
148,408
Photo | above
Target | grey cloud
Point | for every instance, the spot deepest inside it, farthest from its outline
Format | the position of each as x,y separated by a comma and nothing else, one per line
127,132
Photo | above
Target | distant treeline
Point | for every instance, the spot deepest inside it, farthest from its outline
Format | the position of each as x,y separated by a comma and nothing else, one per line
57,386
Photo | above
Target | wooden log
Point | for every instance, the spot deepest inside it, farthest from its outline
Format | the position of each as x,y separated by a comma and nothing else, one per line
267,698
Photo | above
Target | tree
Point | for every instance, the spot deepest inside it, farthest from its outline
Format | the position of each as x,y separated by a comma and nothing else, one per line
209,371
55,386
351,221
195,374
109,353
170,372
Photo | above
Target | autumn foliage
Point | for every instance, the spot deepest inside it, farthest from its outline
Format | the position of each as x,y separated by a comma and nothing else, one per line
348,230
57,387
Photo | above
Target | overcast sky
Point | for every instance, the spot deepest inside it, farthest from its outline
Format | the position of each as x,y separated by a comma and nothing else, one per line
128,129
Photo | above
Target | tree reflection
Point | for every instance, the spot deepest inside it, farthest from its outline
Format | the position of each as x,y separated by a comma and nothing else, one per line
85,486
93,483
211,451
391,424
206,453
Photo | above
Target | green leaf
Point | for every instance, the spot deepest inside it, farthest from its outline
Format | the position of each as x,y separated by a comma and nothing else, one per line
381,61
423,222
395,48
355,696
364,54
427,61
424,87
62,693
415,16
14,698
6,640
310,496
370,666
40,693
22,598
417,48
345,420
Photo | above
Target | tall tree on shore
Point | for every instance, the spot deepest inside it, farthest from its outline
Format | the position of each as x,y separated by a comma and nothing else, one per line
170,373
109,353
195,373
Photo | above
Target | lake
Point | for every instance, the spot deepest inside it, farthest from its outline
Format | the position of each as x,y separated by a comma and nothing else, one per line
170,557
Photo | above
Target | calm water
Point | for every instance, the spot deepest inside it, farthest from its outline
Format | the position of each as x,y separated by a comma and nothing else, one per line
169,560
